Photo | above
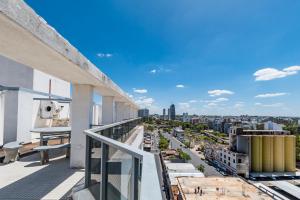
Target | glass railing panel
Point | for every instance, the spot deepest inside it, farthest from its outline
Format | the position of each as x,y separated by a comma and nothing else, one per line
94,171
119,175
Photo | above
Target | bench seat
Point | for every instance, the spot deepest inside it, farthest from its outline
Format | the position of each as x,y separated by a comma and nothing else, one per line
45,149
58,146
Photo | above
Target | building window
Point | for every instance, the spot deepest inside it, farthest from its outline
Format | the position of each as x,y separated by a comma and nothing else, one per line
225,156
239,160
229,158
233,160
229,164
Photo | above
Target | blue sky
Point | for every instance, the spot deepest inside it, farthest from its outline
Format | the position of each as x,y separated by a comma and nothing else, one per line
225,56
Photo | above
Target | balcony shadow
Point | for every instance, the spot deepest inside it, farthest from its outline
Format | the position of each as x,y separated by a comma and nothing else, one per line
39,183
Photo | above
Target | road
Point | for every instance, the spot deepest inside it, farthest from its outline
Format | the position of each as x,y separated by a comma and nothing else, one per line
195,159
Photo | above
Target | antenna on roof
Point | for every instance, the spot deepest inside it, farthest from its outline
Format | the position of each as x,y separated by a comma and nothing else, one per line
50,87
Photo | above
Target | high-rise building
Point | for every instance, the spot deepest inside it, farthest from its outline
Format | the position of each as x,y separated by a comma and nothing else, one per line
169,114
172,112
164,114
143,112
186,117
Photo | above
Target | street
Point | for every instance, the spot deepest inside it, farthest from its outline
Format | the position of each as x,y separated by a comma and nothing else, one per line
195,159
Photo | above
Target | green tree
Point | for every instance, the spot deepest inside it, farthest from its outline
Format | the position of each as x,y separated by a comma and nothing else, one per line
183,155
201,168
188,134
163,143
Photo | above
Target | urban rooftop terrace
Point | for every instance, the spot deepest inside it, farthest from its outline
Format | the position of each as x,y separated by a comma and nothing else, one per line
125,170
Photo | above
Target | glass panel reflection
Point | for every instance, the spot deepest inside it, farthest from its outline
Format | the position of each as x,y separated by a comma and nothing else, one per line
95,168
119,175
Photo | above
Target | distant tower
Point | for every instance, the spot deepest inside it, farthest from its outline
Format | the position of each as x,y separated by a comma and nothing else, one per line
169,114
172,112
164,114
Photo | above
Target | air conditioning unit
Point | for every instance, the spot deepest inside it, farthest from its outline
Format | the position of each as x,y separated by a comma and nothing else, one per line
48,109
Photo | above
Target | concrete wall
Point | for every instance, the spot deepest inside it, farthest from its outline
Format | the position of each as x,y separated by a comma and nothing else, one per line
15,74
15,116
20,113
10,127
243,143
25,108
58,86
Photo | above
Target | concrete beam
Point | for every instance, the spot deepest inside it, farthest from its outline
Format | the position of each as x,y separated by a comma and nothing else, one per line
81,119
27,38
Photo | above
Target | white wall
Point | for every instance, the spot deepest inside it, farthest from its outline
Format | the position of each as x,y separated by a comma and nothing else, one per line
58,86
15,74
25,108
10,116
18,111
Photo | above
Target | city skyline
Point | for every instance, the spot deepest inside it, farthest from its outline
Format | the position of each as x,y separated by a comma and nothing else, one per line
204,59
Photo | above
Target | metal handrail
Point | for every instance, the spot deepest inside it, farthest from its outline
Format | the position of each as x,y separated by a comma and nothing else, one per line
104,127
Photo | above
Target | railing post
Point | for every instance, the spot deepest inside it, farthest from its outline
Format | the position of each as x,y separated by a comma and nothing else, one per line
88,162
104,175
135,180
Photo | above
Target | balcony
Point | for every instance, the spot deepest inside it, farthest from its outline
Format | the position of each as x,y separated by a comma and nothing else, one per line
116,168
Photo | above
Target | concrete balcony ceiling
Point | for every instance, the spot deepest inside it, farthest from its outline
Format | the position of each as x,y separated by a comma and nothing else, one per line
27,38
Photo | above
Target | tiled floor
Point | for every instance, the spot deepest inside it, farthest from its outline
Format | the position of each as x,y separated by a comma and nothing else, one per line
27,179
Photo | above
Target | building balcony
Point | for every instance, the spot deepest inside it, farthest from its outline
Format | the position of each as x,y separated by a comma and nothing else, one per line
116,167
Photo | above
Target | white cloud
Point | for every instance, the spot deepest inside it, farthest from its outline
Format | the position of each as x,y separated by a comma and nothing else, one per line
180,86
218,100
211,104
270,105
130,95
144,102
239,104
268,95
221,99
104,55
292,68
140,91
214,93
267,74
193,101
159,70
153,71
184,105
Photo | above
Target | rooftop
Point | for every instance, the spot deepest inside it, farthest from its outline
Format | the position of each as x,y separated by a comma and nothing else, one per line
218,188
27,179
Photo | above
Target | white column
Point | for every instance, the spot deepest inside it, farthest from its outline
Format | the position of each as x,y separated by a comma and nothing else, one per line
108,110
119,111
126,111
81,118
131,112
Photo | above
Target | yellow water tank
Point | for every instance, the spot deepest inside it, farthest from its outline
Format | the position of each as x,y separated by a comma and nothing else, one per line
267,153
256,153
290,153
278,153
